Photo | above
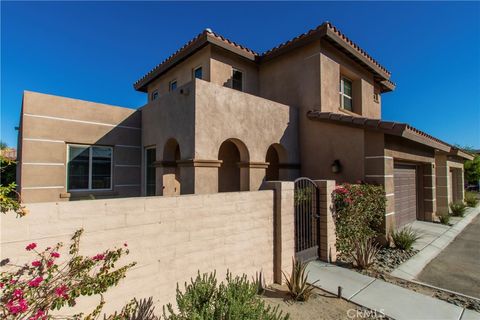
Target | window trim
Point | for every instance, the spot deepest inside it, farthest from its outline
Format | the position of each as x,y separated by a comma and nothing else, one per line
342,93
146,167
155,92
170,85
89,146
243,78
195,69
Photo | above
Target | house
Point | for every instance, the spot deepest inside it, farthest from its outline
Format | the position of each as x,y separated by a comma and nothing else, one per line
221,117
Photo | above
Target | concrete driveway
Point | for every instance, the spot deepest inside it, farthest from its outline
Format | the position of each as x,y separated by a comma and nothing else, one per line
457,267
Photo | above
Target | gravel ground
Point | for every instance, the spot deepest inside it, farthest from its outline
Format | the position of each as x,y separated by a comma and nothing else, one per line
322,305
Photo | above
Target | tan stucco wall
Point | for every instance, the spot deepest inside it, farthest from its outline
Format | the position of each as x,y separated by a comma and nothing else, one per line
221,64
170,238
335,64
327,142
49,123
183,72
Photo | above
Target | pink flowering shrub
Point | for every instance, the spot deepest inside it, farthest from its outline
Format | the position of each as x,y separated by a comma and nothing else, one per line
359,214
33,290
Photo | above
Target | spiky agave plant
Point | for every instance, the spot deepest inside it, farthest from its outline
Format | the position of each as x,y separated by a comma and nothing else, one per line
364,253
298,287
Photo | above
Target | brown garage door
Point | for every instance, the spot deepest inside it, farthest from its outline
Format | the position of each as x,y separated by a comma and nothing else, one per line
405,181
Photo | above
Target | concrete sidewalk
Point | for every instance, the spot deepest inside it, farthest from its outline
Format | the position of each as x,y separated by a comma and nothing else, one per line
435,238
391,300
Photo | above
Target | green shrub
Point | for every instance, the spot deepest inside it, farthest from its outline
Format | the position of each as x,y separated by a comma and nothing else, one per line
444,218
471,199
204,298
359,214
405,238
458,208
10,200
298,288
364,253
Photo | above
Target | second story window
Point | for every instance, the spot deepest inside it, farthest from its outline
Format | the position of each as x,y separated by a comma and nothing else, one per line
173,85
155,95
237,80
197,73
346,94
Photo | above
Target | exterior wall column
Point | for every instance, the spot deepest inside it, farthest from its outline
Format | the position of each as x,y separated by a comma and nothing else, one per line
328,240
283,227
461,184
252,175
379,170
442,183
429,192
199,176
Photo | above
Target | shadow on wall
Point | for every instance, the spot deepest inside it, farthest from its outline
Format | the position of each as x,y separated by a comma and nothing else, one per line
114,173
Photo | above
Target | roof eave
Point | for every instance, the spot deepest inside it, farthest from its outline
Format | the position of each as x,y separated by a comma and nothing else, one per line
462,154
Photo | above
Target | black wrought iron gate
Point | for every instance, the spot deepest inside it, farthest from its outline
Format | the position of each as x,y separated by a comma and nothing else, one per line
307,219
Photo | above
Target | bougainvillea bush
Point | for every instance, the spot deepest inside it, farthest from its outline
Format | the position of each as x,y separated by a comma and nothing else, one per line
34,290
359,214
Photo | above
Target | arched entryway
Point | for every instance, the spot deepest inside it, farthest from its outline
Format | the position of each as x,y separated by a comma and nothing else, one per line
231,175
171,171
275,156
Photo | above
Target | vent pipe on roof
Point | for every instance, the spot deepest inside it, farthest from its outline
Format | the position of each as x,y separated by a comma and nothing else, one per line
208,30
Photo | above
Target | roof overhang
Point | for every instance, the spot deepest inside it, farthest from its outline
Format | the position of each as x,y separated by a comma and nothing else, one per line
461,153
197,43
387,127
324,31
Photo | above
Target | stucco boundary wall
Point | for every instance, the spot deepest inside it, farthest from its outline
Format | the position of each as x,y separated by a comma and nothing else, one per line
170,238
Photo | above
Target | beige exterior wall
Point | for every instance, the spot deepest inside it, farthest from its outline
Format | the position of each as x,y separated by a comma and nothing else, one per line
170,238
183,72
222,63
49,123
450,181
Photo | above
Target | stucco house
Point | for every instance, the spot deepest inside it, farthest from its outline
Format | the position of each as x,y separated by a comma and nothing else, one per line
221,117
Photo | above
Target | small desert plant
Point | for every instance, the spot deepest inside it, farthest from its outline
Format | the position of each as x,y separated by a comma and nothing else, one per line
364,253
444,218
298,288
259,282
205,298
405,238
458,208
471,199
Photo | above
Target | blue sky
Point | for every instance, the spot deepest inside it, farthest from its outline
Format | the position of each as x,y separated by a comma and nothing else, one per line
95,51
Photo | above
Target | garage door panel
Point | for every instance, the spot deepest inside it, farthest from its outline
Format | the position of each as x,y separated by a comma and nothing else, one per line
405,188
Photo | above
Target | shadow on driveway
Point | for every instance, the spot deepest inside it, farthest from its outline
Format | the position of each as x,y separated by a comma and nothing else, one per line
457,268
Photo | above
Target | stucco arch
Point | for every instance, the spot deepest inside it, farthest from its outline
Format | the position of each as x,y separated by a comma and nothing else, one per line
232,175
171,170
275,155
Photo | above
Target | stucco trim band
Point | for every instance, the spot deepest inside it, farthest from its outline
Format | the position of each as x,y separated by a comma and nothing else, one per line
42,164
390,213
81,121
200,163
43,140
44,187
255,165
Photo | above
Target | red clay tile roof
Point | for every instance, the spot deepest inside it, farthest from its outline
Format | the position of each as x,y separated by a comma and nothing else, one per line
388,127
324,30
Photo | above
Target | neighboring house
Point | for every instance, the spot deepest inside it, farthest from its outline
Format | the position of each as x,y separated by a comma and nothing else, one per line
221,117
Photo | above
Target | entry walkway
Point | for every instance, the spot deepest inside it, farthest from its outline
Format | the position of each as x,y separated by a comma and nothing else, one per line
378,295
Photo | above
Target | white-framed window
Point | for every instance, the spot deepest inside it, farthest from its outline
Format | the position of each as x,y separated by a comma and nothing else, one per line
150,172
172,85
237,79
89,167
154,95
197,73
346,101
